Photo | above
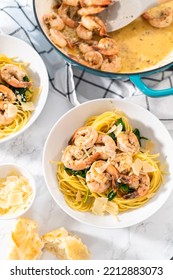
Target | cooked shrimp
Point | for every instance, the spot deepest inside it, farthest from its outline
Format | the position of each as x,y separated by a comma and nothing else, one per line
84,48
73,158
94,23
6,94
143,183
94,59
53,20
107,46
13,75
159,18
8,112
91,59
112,170
122,162
98,181
84,137
107,146
132,180
63,13
90,10
58,38
111,64
84,33
73,3
95,2
127,142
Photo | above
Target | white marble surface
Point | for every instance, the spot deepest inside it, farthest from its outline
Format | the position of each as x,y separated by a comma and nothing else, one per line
151,239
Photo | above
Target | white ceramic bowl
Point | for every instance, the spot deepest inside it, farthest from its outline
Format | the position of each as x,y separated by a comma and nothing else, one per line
148,125
13,47
6,170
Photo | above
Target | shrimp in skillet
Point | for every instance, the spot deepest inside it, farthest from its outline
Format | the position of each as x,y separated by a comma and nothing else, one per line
94,24
87,3
111,64
59,39
90,10
83,33
73,3
91,59
53,20
107,46
63,13
159,18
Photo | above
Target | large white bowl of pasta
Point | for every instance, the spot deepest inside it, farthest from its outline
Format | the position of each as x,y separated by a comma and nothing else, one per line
107,163
23,86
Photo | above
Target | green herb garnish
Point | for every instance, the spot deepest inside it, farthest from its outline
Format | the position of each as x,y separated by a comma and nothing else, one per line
138,135
26,79
111,195
87,195
120,121
112,135
21,91
81,173
124,188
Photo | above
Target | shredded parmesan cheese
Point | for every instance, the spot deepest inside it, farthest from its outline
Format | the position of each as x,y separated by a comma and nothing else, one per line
102,205
12,110
148,167
139,165
116,129
99,206
15,194
102,168
28,106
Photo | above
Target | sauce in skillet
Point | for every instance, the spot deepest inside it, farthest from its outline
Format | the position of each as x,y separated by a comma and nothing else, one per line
142,45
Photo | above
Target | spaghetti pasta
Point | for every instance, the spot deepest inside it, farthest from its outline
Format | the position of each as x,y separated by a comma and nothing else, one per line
22,95
127,188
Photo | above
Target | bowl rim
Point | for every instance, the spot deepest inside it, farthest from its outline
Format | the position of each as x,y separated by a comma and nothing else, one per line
68,210
22,170
44,96
96,71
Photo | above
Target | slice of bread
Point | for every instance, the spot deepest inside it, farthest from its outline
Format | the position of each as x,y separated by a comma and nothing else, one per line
27,245
64,245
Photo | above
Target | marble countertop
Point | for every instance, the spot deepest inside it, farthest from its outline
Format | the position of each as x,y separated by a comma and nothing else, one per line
149,240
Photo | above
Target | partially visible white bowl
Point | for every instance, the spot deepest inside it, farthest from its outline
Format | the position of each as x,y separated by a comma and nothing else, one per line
11,168
139,117
13,47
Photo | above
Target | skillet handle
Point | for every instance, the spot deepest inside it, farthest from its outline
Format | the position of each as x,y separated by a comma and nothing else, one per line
136,79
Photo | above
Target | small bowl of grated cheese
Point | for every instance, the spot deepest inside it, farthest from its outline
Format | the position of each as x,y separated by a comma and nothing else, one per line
17,190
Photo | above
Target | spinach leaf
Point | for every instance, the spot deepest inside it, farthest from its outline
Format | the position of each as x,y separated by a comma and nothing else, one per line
21,91
120,121
138,135
124,188
112,135
81,173
111,195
